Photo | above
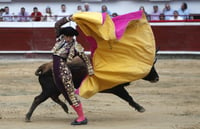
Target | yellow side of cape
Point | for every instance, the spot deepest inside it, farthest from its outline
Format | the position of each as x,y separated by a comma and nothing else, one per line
116,61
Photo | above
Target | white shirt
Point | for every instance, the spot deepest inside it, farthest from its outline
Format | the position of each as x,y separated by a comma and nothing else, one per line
155,15
178,18
184,14
7,17
168,14
49,18
62,14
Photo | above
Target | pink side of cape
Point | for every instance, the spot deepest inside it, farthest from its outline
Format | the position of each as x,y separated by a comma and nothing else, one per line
120,22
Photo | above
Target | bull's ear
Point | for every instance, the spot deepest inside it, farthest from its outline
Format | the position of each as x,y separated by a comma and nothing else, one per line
155,61
157,50
156,54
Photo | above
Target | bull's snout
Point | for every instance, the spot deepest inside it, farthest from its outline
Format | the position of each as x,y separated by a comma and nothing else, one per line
155,80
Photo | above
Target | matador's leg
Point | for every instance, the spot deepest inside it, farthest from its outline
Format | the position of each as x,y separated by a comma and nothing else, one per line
63,78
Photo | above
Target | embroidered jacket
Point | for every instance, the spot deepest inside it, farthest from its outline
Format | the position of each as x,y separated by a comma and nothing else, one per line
69,50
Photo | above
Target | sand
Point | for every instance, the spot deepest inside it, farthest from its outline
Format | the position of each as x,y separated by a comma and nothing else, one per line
172,103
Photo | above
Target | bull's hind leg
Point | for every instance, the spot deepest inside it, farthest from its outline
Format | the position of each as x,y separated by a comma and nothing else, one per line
56,99
38,100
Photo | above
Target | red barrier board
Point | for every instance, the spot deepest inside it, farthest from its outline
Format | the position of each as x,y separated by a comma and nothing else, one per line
168,36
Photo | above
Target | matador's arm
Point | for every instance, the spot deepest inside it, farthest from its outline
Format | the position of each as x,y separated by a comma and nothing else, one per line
61,22
85,58
59,37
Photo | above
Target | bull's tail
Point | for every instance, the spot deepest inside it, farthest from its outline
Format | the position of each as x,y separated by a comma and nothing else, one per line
42,69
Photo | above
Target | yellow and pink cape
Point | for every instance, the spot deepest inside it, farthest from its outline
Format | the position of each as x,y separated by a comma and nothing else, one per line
123,49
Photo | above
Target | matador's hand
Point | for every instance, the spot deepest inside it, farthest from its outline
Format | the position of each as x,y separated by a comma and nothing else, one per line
91,72
70,18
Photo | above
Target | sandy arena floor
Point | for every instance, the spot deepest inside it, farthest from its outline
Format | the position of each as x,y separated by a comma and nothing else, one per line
172,103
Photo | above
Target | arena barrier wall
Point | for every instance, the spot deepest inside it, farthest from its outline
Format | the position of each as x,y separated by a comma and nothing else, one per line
39,37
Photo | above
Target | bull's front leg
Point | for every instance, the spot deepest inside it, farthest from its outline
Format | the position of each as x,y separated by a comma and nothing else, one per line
56,99
121,92
38,100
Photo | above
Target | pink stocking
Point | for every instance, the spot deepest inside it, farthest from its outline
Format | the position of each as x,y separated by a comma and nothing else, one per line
79,111
77,91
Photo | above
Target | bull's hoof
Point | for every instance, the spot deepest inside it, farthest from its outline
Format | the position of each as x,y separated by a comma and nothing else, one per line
27,119
141,109
65,109
138,107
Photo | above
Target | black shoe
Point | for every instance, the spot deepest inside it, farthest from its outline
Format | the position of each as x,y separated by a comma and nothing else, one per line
84,122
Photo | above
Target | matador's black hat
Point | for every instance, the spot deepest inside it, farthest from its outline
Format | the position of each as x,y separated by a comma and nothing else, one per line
69,31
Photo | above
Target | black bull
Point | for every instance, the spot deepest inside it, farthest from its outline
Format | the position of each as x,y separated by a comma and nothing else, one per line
79,71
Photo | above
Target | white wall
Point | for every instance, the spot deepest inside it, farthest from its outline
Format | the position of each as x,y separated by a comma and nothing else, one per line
120,7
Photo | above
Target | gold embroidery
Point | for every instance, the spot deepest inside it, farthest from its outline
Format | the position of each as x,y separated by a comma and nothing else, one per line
79,47
68,83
